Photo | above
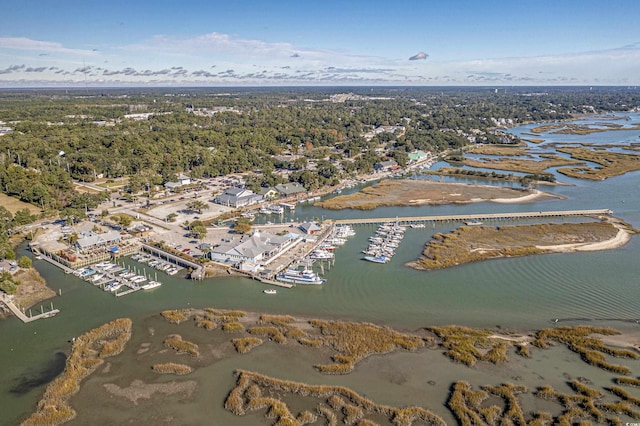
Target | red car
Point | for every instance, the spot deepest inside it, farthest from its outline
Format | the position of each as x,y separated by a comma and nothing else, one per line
186,250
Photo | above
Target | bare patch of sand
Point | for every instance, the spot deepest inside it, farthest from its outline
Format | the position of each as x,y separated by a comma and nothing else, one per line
141,390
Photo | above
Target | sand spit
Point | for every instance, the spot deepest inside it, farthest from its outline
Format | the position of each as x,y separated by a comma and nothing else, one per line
141,390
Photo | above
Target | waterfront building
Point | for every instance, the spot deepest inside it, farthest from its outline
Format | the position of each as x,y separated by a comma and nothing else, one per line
310,228
259,248
238,197
90,240
291,188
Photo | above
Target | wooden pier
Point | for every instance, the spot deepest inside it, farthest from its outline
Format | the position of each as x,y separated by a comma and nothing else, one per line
197,269
21,315
472,217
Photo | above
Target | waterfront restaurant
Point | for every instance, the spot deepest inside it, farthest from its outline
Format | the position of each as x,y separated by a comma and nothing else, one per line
258,248
90,240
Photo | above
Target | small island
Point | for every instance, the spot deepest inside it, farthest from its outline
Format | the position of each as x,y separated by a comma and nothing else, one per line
417,192
475,243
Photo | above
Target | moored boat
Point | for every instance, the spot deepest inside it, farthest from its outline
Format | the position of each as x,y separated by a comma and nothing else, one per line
297,276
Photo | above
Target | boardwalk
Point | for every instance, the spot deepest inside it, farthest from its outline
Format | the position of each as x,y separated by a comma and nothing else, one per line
472,217
21,316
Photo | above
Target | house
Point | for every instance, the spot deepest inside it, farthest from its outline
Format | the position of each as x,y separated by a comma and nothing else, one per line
182,181
385,166
291,188
310,228
258,248
237,197
268,193
416,156
90,240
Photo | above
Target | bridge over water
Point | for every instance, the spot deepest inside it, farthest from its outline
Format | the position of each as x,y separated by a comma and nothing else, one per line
472,217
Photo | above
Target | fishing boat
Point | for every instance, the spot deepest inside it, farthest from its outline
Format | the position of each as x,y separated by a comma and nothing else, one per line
377,259
297,276
151,285
270,291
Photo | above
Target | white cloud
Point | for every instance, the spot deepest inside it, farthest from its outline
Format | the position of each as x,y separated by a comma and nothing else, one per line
23,43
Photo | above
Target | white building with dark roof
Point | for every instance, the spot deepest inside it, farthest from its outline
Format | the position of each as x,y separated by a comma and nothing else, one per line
259,248
91,240
237,197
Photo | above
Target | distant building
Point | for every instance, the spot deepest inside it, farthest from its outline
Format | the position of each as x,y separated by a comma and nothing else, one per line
385,166
310,228
182,181
416,156
291,188
268,193
238,197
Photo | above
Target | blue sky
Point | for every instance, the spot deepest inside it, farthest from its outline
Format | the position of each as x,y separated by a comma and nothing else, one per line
327,42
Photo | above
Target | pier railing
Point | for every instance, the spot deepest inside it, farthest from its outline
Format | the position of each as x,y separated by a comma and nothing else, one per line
472,217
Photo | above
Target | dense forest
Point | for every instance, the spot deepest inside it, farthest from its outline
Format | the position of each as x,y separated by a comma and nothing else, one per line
57,136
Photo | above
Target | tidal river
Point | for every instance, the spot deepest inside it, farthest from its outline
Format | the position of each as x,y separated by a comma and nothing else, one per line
601,288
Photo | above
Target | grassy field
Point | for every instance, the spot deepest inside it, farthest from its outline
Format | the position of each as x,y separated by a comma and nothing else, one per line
13,205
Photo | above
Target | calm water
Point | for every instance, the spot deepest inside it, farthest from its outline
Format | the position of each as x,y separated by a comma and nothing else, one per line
519,294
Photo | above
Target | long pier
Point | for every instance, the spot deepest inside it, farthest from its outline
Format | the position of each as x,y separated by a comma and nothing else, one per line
473,217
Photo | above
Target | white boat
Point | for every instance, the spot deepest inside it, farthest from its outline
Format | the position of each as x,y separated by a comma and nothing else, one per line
172,271
377,259
321,254
296,276
151,285
96,277
138,279
473,223
270,291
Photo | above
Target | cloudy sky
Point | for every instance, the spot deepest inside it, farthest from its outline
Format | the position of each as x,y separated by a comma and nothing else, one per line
319,42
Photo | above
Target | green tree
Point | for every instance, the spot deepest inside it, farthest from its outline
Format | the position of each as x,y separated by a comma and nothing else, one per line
8,286
242,225
24,262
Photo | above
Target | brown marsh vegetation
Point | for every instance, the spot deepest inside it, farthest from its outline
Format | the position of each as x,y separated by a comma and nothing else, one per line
610,163
416,192
475,243
88,352
591,349
333,404
171,368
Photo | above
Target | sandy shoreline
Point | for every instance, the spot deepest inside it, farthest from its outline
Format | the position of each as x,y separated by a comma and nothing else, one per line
622,237
525,198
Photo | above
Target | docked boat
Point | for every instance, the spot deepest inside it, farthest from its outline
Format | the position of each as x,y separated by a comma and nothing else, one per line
270,291
151,285
297,276
377,259
138,279
321,255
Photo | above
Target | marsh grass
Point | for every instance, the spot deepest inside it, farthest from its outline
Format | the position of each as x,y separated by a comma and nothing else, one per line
538,167
87,353
588,404
590,349
475,243
176,343
245,344
468,345
355,341
172,368
336,404
610,163
176,316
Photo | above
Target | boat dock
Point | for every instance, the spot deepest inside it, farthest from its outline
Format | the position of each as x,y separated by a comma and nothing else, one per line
197,269
471,217
4,298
